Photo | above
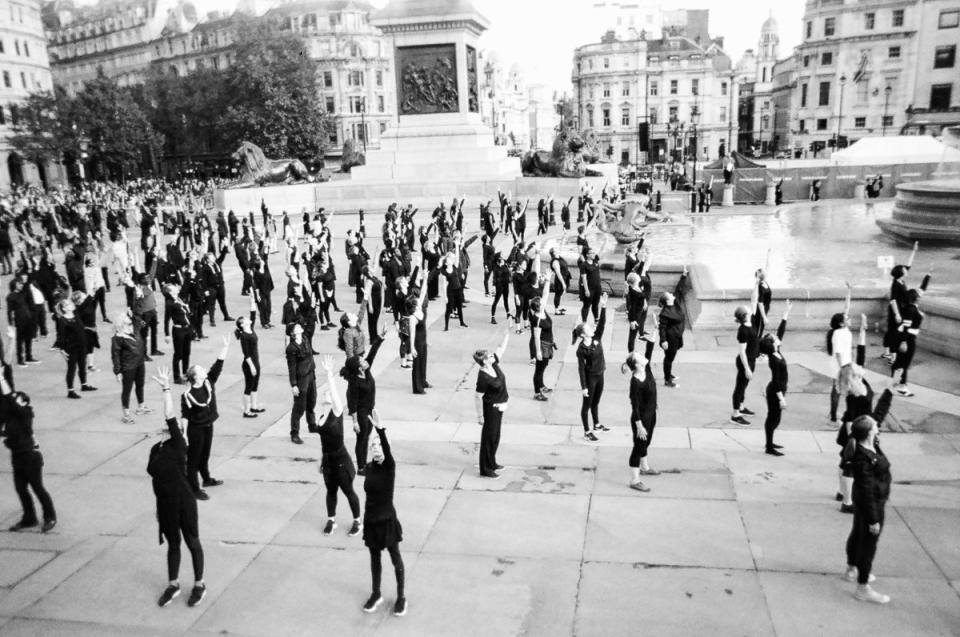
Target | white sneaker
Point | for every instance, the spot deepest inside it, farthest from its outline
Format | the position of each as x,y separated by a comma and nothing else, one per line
867,594
851,575
904,391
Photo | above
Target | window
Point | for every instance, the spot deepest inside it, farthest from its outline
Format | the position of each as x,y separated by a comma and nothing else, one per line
335,20
826,59
354,51
606,90
673,113
940,95
2,118
803,125
949,19
888,120
333,138
379,78
869,21
824,94
893,52
23,79
822,124
606,63
695,86
723,114
330,105
673,87
723,88
653,89
328,79
383,127
625,118
606,117
381,104
356,104
589,117
859,122
1,46
944,56
590,63
625,92
355,78
14,115
16,46
898,17
803,95
310,20
863,91
829,26
809,29
26,49
653,115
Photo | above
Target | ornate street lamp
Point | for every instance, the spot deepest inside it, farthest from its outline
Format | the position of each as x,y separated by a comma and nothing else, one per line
886,104
836,133
694,116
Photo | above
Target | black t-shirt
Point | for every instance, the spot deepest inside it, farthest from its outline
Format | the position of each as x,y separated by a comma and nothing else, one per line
546,327
494,389
331,434
746,334
592,273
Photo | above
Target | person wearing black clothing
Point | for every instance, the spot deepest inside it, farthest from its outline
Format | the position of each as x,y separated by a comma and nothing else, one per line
303,382
776,391
489,261
87,313
762,297
643,413
671,323
381,528
911,318
589,284
542,344
16,424
490,400
373,295
250,366
198,409
591,365
561,280
871,490
746,361
176,501
212,274
362,396
501,288
565,214
21,316
417,308
128,353
177,313
452,274
72,342
637,307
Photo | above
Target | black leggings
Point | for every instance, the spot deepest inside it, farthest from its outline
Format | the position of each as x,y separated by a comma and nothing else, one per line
774,412
363,438
591,305
306,402
499,293
182,340
376,568
669,355
740,386
557,297
100,296
454,302
591,402
538,369
173,553
489,438
199,445
862,545
76,366
28,474
340,477
129,380
640,446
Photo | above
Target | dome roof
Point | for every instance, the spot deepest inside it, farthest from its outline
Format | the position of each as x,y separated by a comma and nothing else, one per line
769,26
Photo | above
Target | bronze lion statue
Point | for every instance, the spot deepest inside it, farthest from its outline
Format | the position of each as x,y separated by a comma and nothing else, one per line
256,169
572,151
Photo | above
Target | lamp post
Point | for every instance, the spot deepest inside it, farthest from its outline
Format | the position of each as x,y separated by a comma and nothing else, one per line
694,116
836,134
363,122
886,104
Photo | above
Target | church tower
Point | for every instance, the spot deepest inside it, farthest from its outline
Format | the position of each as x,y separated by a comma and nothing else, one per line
769,49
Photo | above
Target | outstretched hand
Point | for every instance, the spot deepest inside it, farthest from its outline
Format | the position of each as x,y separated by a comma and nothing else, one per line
326,364
162,377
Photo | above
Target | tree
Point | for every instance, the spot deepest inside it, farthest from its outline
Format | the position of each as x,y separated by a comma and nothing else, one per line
272,95
117,132
185,110
45,127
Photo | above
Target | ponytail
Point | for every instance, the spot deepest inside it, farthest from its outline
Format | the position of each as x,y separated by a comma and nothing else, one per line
341,343
850,449
830,341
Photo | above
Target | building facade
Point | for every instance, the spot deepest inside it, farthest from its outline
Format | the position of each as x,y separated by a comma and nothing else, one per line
679,83
25,69
355,78
521,116
754,77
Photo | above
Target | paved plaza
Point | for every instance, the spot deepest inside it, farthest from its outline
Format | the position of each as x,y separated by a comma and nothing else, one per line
728,542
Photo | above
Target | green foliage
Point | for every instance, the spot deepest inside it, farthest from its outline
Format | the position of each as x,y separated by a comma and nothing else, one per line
45,129
186,110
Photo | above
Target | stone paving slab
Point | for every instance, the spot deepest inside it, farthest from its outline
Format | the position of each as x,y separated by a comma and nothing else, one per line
18,565
633,599
936,532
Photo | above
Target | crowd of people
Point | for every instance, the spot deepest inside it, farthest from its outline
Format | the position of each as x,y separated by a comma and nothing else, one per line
64,250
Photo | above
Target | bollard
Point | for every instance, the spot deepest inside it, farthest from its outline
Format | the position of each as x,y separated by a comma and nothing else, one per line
728,196
860,192
771,195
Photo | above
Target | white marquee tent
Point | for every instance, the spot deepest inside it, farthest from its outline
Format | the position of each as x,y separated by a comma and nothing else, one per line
896,149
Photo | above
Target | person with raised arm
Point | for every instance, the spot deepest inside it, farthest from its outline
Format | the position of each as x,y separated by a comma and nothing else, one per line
591,365
250,366
417,309
670,324
176,500
381,528
198,409
490,401
746,361
776,391
761,298
643,412
362,395
560,273
128,353
303,382
542,344
839,343
911,319
896,304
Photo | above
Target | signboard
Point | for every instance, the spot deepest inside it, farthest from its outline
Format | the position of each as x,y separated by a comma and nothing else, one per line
885,262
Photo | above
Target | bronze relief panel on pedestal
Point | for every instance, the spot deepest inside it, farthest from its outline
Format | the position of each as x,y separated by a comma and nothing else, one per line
427,79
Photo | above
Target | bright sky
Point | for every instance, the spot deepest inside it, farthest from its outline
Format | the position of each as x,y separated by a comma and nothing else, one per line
540,35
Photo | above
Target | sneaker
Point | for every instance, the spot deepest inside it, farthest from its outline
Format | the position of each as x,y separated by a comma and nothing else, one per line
295,439
48,525
355,529
671,383
201,495
329,527
87,388
169,595
770,451
846,508
851,575
91,368
258,410
866,594
127,420
740,420
540,397
22,365
599,427
545,390
904,391
197,595
33,361
372,603
212,482
589,436
143,411
493,475
400,607
21,525
746,412
639,486
72,394
248,414
156,352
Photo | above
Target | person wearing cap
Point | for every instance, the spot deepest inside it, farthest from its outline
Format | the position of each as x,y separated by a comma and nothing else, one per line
303,383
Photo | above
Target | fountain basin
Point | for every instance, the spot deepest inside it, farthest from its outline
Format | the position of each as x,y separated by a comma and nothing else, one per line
926,211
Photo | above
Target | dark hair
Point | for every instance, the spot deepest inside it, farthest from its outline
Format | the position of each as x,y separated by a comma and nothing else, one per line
859,430
630,364
237,332
898,271
913,295
535,304
351,367
836,322
766,345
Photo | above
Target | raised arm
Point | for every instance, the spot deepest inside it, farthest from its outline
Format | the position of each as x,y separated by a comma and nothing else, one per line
846,305
781,330
502,348
602,323
862,342
913,254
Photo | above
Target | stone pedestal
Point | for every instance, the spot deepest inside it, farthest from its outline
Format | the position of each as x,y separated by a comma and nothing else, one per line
727,196
439,134
926,211
859,192
771,195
